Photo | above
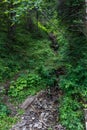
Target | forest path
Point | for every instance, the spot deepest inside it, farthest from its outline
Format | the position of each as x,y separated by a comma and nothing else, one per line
41,112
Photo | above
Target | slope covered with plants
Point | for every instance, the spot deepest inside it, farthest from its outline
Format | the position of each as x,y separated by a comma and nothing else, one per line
43,45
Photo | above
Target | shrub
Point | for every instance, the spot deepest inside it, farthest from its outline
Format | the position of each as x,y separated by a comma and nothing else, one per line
71,114
33,80
4,110
25,85
75,82
7,122
48,76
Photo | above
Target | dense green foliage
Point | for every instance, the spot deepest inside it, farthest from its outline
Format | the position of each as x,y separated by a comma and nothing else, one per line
25,85
6,122
28,62
70,114
74,82
71,13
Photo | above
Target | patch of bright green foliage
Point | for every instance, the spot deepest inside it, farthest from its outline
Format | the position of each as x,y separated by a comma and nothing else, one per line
6,122
25,85
31,83
71,115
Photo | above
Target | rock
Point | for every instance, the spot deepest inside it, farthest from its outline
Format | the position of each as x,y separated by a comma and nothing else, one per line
24,128
22,118
42,115
46,114
23,123
28,102
85,110
59,127
17,128
31,125
39,125
33,118
35,125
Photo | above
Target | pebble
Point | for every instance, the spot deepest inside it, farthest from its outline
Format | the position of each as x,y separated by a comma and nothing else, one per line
39,125
30,125
24,128
17,128
22,118
35,125
33,118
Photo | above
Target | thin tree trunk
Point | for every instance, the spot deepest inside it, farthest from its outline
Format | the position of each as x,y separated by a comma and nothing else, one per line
29,22
37,17
11,25
86,17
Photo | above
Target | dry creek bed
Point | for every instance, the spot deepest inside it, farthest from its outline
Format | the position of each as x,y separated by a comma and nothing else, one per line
41,113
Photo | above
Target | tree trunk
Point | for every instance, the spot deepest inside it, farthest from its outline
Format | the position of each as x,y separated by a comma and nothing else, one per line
86,17
29,21
11,25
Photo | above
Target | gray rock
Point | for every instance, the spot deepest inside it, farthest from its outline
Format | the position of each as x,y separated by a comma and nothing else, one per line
33,118
31,125
23,123
24,128
17,128
39,125
28,102
35,125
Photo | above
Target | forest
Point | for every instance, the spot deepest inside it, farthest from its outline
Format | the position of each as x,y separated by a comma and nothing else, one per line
43,64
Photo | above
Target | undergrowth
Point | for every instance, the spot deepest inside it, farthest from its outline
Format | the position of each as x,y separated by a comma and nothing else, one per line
74,82
26,64
31,54
71,114
6,122
25,85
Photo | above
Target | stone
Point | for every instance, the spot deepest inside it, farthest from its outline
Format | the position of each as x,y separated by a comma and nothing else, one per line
85,110
21,124
17,128
22,118
31,125
39,125
24,128
33,118
28,102
35,125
